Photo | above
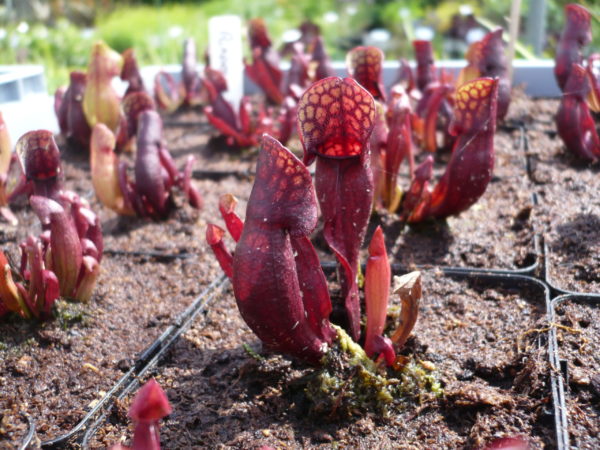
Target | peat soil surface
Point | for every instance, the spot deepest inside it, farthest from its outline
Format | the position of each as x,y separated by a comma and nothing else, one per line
569,207
480,342
578,343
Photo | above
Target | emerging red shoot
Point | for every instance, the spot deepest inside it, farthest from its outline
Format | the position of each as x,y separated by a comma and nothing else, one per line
235,225
409,288
398,146
148,407
377,291
214,238
434,110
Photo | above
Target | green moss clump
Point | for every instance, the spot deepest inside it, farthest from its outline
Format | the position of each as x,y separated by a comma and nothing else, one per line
70,313
349,383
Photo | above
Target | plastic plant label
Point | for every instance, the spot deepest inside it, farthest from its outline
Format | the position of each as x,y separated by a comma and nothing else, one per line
225,53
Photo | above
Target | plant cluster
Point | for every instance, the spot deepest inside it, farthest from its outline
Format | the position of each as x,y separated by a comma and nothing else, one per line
580,85
281,290
336,118
419,108
150,195
358,134
244,126
65,258
422,106
93,116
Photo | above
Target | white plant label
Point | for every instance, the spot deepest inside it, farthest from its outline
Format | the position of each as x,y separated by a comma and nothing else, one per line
225,53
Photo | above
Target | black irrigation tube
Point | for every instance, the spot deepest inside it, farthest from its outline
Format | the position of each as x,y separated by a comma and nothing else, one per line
331,266
505,280
558,367
160,256
512,125
170,122
201,174
559,373
158,347
27,441
528,157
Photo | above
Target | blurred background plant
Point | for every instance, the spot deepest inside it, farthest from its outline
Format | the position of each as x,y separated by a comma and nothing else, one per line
59,33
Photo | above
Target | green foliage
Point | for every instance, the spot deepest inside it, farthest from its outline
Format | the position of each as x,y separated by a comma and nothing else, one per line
70,313
60,49
157,28
556,20
155,33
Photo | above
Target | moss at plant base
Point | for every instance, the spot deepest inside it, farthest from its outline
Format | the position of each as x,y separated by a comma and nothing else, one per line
349,383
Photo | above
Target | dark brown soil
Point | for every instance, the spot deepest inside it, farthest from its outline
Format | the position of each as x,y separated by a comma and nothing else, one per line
479,341
569,211
189,133
577,336
55,371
